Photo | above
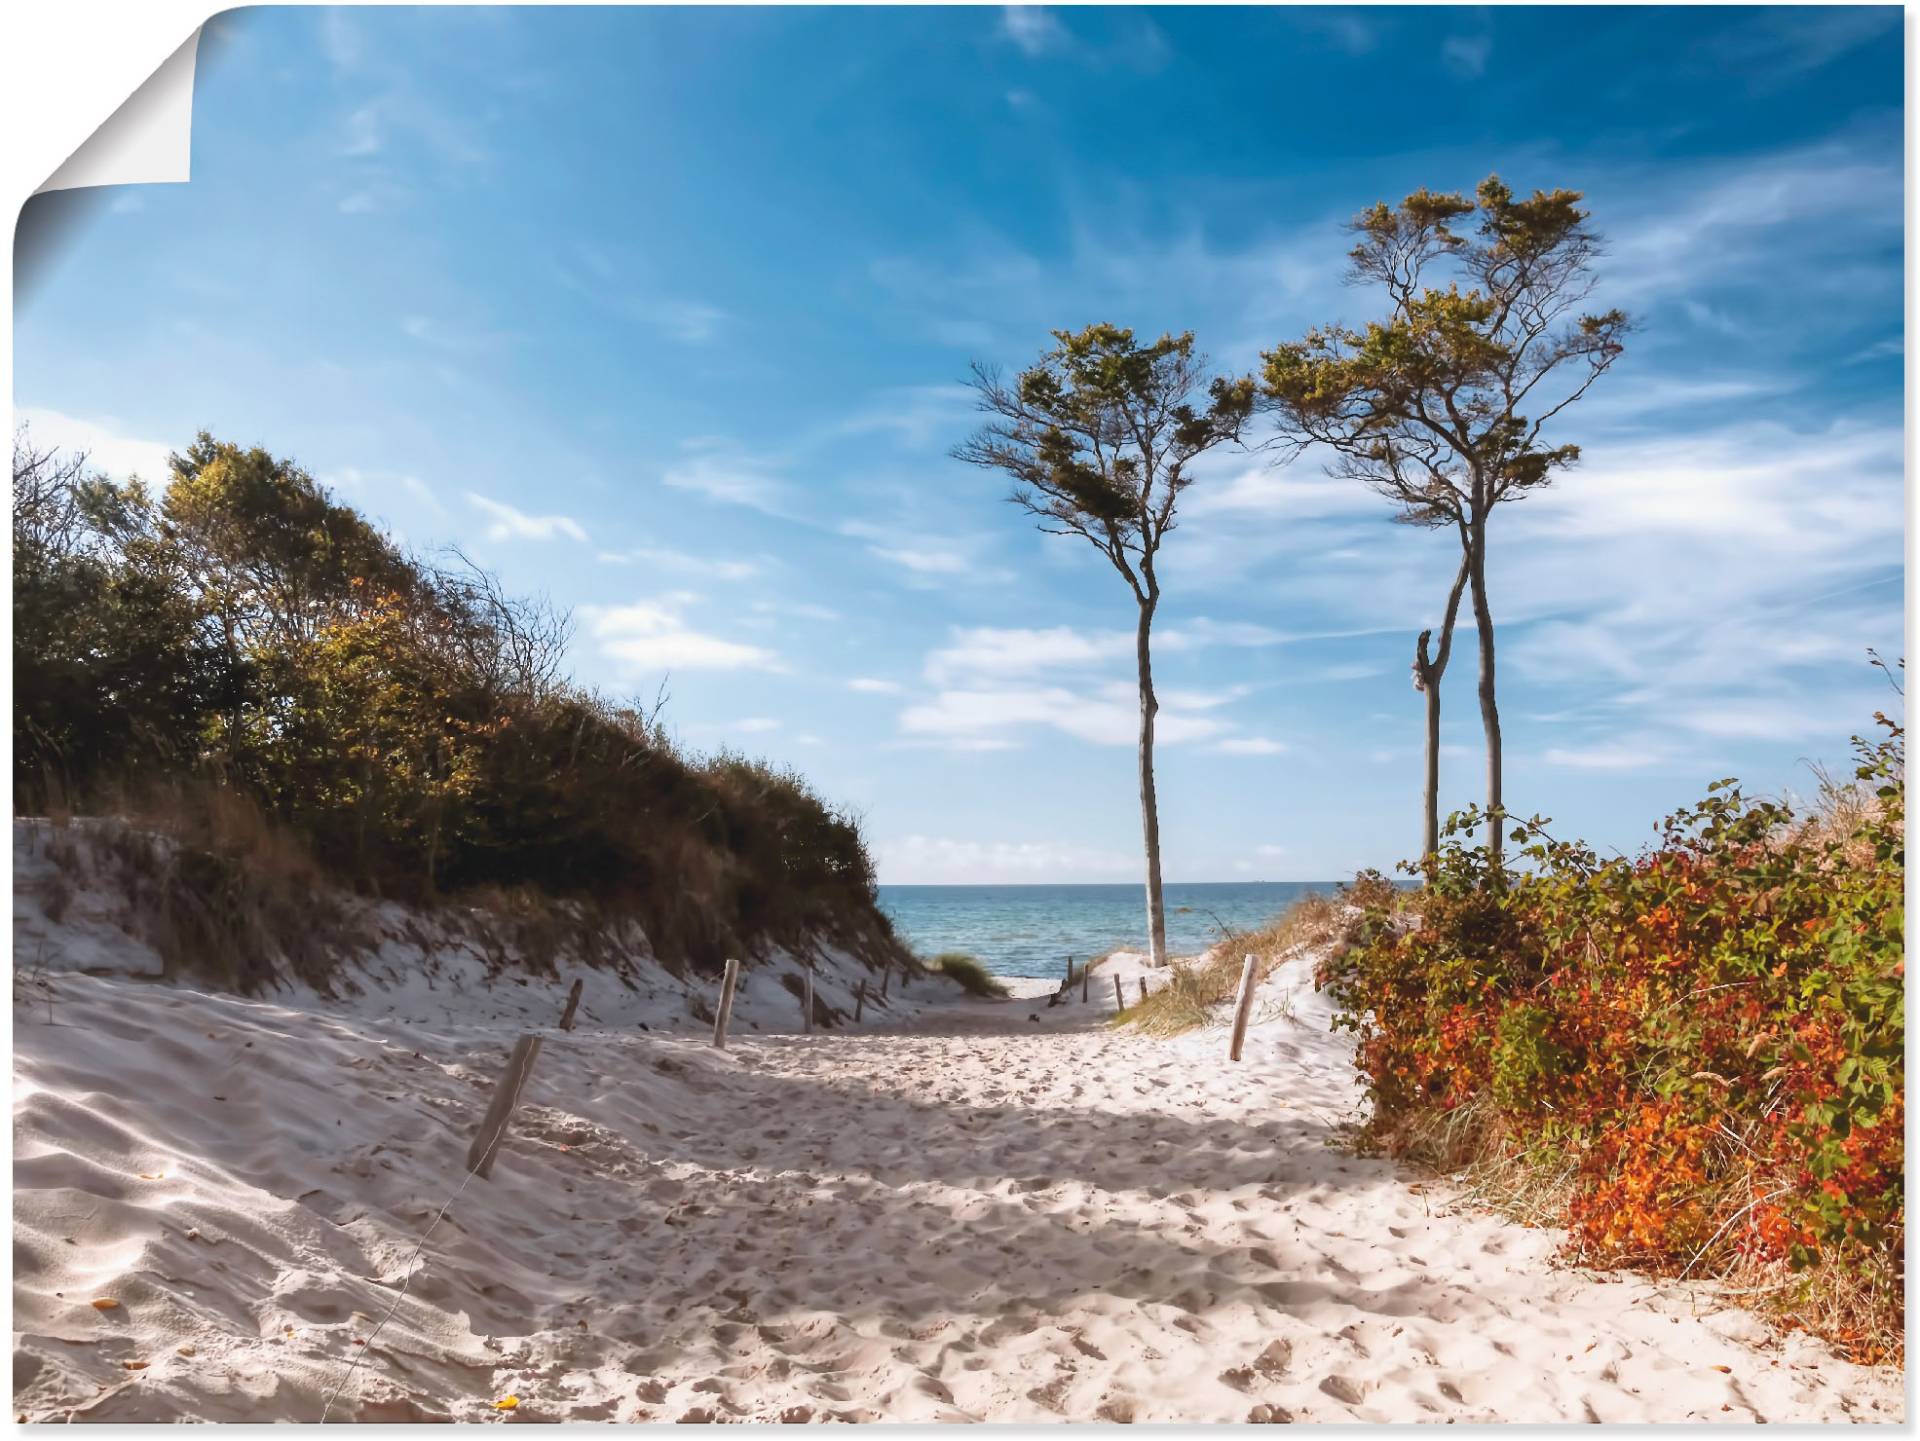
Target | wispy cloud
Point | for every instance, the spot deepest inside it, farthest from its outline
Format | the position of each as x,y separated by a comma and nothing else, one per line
622,284
870,685
946,860
716,567
1251,746
512,524
651,636
1035,29
1466,55
733,478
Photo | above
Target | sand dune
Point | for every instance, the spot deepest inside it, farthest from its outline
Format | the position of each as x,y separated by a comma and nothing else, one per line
983,1217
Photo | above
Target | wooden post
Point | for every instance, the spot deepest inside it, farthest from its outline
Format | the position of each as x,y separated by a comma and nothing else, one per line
573,1003
885,971
506,1096
859,1001
724,1011
1119,1000
807,1003
1086,977
1243,1011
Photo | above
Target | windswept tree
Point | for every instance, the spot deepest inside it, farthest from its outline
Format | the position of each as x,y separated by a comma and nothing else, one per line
1099,437
1442,405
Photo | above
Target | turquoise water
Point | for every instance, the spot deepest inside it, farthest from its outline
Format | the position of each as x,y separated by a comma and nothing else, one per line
1031,930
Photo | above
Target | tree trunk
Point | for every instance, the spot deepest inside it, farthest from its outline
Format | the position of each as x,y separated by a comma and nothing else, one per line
1430,817
1489,709
1149,804
1428,674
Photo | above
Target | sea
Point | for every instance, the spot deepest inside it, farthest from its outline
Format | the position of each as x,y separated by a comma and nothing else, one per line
1031,930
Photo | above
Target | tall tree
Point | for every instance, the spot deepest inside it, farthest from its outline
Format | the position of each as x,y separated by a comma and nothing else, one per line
1098,437
1441,405
1427,671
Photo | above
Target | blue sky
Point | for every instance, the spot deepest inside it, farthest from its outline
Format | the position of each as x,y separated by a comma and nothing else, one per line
666,313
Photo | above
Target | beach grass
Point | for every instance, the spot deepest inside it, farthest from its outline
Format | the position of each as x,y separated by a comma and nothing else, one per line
967,971
1195,988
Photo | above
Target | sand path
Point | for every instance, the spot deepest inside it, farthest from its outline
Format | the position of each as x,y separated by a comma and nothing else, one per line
985,1218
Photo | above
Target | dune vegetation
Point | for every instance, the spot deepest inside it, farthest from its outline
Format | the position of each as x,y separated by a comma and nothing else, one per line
242,662
968,973
1693,1058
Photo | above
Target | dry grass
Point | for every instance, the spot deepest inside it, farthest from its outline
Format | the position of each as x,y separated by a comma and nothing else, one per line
1195,988
972,977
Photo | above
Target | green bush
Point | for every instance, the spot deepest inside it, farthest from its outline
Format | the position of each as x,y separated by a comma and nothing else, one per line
243,634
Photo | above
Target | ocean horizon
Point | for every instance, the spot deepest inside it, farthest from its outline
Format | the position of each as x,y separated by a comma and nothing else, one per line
1030,929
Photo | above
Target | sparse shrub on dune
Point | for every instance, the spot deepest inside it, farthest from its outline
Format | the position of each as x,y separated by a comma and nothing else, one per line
1194,990
256,671
1692,1058
968,973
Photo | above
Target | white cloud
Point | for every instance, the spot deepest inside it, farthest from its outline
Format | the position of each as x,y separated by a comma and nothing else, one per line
1250,746
736,480
1103,718
987,651
111,452
1033,28
922,555
756,725
511,524
1603,756
653,636
684,562
943,860
868,685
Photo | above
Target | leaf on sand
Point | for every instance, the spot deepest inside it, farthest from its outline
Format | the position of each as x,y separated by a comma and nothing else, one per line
106,1303
506,1403
1724,1370
135,1365
186,1350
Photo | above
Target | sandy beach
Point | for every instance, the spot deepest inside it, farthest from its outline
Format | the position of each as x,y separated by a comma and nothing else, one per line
997,1211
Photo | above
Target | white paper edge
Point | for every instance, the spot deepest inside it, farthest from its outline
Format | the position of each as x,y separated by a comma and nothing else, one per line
148,140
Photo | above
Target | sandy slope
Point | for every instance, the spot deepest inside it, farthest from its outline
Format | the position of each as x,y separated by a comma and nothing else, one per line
986,1217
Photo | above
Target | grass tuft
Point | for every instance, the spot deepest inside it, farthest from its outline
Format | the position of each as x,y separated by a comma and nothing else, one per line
1195,988
972,977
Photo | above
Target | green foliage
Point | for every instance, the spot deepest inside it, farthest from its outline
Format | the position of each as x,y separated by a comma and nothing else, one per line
1711,1033
247,634
1098,434
1440,404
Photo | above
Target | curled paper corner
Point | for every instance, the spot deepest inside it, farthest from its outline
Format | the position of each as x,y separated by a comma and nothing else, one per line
148,140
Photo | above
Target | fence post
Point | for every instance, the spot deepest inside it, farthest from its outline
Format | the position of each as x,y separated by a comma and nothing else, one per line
807,1003
1143,990
724,1010
573,1003
1243,1010
885,971
1119,1000
859,1001
1086,977
506,1096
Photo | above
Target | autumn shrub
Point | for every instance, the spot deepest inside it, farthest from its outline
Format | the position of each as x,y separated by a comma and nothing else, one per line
1701,1046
